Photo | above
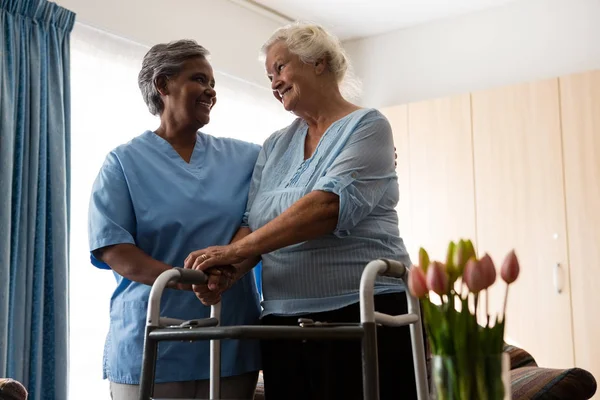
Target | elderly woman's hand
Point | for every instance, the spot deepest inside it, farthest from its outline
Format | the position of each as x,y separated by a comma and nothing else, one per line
213,256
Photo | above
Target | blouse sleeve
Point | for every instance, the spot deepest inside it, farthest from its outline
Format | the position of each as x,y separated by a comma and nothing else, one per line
361,173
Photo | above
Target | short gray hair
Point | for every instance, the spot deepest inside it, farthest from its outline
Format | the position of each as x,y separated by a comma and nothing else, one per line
312,42
165,59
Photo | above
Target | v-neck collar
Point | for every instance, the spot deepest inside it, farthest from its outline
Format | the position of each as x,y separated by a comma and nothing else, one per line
329,128
196,158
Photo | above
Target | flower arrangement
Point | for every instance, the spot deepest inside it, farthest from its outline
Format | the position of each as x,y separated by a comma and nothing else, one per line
467,362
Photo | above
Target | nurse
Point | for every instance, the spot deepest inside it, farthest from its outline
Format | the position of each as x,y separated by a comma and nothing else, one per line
156,199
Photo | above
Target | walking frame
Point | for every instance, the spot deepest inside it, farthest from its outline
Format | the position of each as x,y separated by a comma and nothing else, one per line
169,329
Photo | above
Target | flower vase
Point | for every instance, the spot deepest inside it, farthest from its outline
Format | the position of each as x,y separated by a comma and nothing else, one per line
471,377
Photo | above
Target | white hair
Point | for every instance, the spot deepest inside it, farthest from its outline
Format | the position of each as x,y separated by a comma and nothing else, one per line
311,42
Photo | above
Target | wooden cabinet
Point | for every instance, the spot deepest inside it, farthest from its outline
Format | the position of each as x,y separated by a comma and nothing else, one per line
435,172
520,203
580,104
398,118
515,167
442,198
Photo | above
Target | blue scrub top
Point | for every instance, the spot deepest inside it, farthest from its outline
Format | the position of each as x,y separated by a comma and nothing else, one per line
146,194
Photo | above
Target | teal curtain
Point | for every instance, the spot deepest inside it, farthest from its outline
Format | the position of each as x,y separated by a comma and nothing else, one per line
34,195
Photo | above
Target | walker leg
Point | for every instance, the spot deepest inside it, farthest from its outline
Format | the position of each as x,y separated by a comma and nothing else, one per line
370,362
215,359
148,367
418,349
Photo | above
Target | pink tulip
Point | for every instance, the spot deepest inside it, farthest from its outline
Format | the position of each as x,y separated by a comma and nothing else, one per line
488,270
437,280
417,284
510,268
473,276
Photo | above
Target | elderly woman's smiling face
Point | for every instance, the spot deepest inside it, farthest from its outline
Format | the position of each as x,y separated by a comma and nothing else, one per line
290,77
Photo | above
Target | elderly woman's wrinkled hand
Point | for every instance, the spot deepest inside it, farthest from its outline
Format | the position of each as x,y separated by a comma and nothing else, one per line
213,256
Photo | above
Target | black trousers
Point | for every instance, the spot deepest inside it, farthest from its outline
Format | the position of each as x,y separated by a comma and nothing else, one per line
330,369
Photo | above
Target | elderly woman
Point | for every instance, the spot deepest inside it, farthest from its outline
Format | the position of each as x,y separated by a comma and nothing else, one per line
321,206
156,199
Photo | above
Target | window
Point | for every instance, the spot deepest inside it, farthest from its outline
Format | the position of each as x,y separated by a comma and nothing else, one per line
108,110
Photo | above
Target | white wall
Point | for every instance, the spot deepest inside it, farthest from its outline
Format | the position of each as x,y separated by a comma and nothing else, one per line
518,42
231,33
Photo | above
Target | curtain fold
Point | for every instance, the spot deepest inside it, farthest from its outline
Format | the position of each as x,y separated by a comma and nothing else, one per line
34,194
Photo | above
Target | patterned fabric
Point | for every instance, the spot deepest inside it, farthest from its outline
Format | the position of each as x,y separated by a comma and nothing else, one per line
552,384
519,357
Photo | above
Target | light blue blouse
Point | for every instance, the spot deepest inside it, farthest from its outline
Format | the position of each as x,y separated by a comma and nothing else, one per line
147,195
355,160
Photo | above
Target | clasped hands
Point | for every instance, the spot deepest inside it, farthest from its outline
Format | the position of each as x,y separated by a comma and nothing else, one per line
217,262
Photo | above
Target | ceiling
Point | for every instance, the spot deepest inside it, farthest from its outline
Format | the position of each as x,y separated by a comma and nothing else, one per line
350,19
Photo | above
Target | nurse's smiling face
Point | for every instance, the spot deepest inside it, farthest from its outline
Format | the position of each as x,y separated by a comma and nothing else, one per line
190,95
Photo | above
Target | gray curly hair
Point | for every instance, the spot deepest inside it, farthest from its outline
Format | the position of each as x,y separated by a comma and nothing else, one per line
165,59
312,42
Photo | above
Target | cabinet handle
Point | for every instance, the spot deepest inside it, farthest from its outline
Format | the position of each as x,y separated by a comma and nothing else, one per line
557,283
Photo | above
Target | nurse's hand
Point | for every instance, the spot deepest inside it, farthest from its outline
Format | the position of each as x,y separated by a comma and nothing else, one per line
206,296
220,279
212,257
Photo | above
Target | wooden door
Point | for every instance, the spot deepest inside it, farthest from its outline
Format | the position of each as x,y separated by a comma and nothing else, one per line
520,203
441,173
580,104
